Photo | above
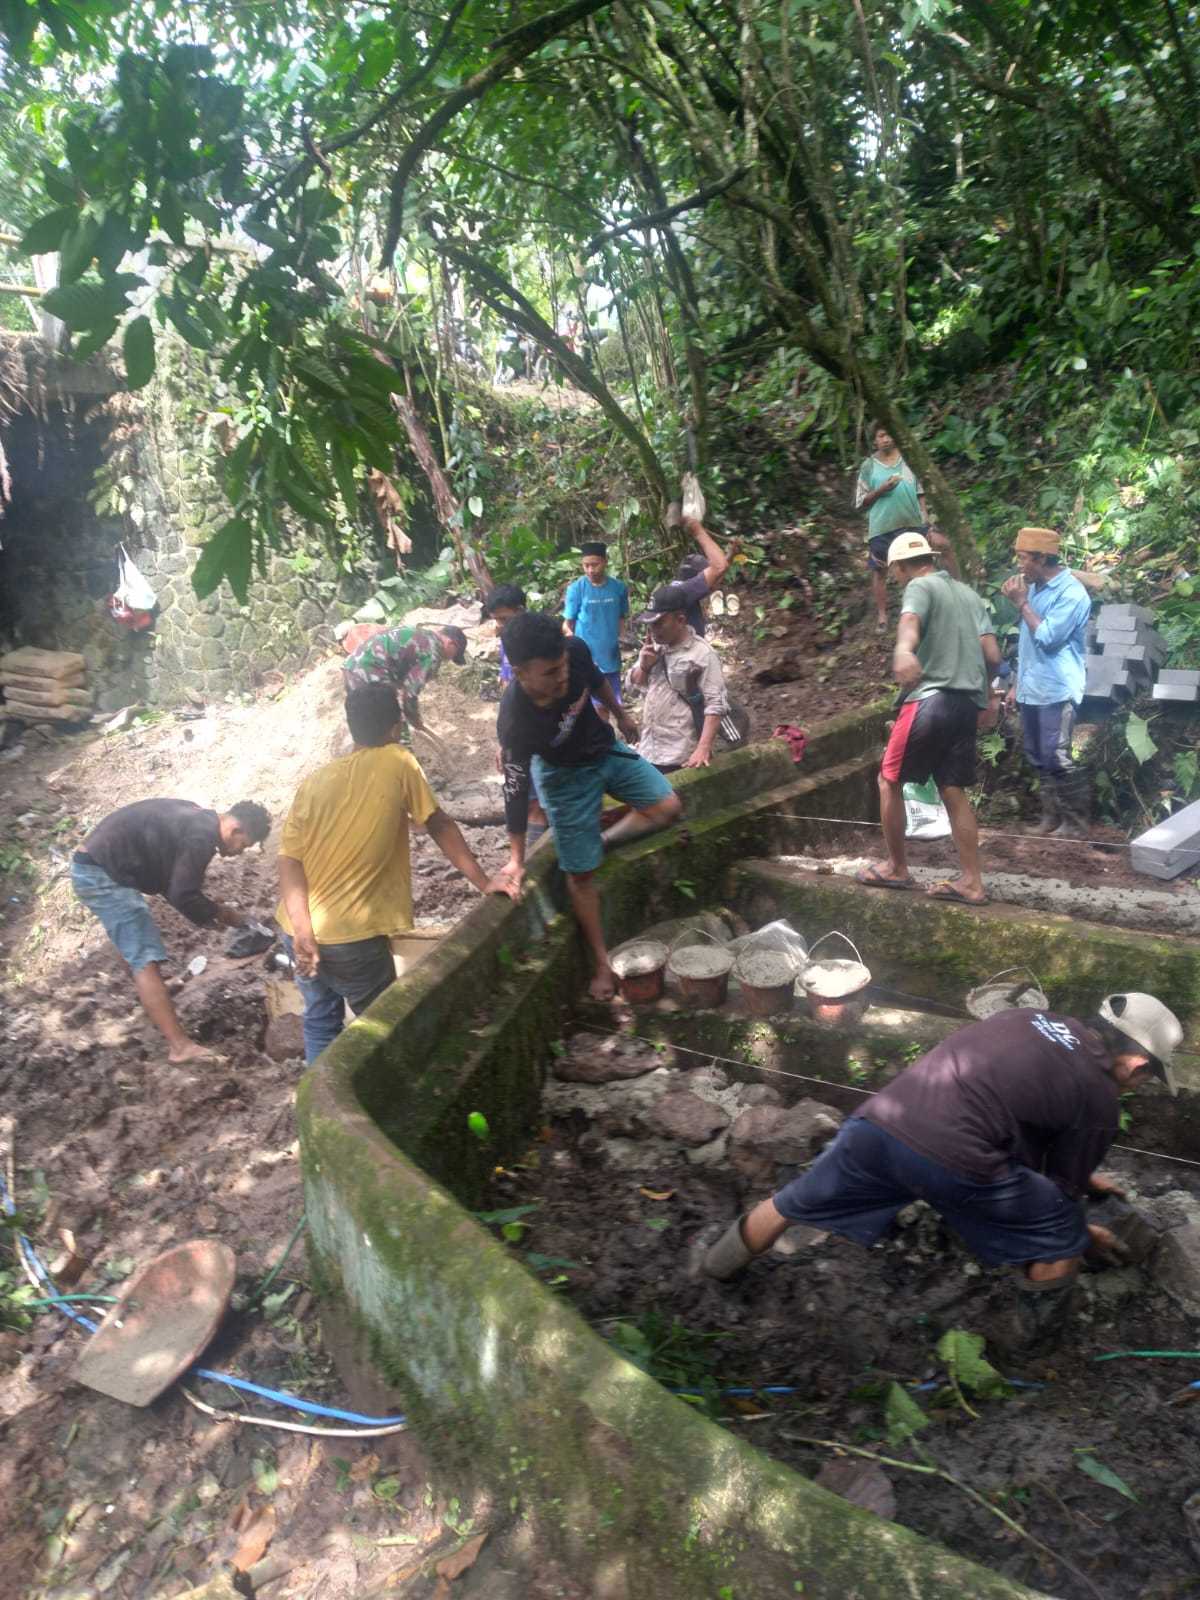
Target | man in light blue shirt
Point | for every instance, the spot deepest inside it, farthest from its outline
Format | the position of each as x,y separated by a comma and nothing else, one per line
594,607
1051,671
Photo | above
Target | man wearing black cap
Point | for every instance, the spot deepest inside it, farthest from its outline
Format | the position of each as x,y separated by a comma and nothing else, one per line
593,610
677,670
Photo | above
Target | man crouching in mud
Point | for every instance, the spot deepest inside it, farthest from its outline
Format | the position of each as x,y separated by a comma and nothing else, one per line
1000,1128
547,722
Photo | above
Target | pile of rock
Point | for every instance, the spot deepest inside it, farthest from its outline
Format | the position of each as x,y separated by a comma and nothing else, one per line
45,685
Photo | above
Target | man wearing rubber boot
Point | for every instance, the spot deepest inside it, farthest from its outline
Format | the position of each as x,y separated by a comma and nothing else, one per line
1000,1128
1051,672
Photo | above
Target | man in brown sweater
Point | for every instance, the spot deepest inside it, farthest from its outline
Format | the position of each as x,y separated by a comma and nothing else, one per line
1000,1128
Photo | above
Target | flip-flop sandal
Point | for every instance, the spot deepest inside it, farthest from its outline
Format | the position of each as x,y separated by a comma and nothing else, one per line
732,605
947,891
716,603
872,878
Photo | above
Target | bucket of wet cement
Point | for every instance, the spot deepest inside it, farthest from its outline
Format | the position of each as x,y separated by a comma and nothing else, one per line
987,998
768,981
701,970
640,968
836,989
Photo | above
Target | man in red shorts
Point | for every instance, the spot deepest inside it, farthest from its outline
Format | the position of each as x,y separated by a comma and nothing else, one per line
945,654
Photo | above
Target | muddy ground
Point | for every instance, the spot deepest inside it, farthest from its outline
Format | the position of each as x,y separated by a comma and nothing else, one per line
837,1324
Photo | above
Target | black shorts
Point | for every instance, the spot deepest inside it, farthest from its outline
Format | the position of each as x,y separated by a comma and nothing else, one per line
934,738
879,544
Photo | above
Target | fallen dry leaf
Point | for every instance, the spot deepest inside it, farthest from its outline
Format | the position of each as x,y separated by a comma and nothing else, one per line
254,1538
657,1194
862,1483
453,1566
364,1469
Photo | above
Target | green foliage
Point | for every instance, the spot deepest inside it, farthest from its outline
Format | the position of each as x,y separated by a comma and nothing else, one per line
1137,736
902,1415
677,1356
1095,1468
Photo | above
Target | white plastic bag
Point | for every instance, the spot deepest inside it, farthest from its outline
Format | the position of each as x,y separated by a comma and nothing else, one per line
774,936
927,817
693,506
133,591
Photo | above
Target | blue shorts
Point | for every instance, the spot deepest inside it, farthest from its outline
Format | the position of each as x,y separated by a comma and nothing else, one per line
124,914
572,797
866,1176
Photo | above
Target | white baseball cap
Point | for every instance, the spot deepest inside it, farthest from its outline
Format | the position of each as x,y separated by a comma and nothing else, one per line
908,546
1148,1023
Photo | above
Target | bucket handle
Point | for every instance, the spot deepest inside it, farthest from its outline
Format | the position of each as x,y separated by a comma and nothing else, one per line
720,943
1015,990
835,934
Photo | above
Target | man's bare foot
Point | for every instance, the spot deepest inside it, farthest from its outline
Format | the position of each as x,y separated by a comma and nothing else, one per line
192,1051
966,894
604,985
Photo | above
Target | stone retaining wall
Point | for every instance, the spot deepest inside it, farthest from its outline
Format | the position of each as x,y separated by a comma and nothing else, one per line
59,562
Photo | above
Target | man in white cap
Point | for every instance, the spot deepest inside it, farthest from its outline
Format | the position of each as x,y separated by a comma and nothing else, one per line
945,654
1000,1128
1051,672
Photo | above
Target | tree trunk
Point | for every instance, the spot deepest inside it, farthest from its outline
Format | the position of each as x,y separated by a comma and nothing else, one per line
449,512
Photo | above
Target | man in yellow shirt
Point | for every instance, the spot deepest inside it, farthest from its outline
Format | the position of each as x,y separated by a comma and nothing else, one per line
344,874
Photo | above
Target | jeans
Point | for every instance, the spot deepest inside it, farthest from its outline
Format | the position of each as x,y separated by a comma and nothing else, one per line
122,911
1046,731
353,974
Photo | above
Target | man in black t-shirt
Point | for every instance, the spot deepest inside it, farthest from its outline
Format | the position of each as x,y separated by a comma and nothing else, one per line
160,847
1000,1128
548,724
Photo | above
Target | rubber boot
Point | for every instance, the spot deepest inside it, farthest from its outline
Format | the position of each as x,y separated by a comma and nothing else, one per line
1075,802
729,1255
1043,1309
1051,810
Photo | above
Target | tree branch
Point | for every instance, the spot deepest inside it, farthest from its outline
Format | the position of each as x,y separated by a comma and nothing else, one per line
514,46
654,219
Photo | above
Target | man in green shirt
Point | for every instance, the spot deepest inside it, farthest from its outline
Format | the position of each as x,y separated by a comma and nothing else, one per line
945,654
889,492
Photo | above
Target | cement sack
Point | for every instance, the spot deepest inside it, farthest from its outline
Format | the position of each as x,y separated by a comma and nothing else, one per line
34,663
926,816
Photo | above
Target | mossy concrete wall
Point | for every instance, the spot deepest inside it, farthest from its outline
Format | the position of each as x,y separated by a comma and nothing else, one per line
511,1393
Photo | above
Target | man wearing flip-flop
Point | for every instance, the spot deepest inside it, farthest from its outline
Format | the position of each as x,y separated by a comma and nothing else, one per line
945,654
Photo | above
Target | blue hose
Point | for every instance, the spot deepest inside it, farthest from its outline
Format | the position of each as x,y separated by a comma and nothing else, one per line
276,1396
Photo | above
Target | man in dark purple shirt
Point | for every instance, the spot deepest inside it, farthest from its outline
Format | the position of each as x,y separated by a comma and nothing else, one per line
1000,1128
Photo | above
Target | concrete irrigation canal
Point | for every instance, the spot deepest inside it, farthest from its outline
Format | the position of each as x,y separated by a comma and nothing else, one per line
512,1392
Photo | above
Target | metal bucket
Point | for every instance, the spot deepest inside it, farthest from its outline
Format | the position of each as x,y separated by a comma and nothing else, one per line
836,991
640,969
702,973
768,981
992,996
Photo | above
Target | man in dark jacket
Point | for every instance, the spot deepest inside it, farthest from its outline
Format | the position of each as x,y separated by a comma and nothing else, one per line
1000,1128
160,847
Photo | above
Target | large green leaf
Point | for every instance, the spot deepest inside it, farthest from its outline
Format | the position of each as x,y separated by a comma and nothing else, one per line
1137,737
88,305
226,555
962,1353
47,232
1086,1462
139,352
902,1415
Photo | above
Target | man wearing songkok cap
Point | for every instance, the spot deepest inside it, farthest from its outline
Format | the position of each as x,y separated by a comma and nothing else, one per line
1051,671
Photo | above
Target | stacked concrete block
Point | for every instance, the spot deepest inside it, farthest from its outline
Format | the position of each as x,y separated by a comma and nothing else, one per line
1169,848
1177,684
1125,651
45,685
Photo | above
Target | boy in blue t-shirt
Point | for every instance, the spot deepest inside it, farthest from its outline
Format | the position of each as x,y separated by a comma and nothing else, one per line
593,609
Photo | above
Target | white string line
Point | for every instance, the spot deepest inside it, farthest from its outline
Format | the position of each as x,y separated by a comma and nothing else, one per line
1037,838
828,1083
